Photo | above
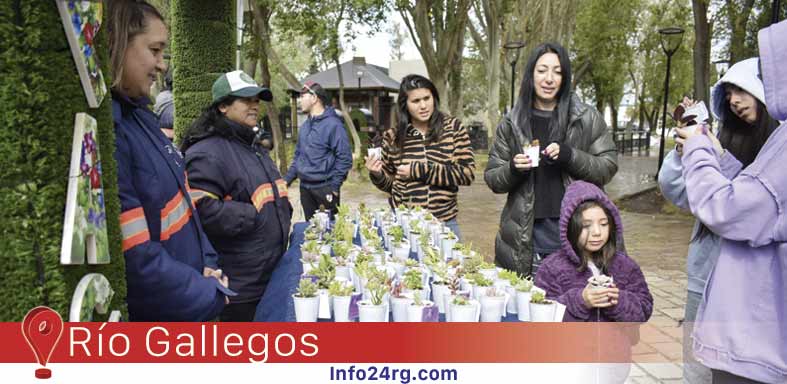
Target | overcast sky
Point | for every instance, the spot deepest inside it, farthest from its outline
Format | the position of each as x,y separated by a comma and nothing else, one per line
377,49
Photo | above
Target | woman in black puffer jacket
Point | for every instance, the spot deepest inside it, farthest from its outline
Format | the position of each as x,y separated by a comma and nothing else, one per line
575,144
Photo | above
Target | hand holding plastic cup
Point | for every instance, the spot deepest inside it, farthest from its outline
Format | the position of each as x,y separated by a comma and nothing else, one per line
533,151
374,153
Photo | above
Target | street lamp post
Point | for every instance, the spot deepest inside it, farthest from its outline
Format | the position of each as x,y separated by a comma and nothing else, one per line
671,38
359,75
775,12
513,49
721,66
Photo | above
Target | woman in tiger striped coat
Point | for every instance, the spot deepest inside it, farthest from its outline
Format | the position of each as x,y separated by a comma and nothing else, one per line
426,157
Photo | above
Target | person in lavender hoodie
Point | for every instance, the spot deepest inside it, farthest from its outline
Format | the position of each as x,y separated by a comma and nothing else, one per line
738,102
591,237
741,326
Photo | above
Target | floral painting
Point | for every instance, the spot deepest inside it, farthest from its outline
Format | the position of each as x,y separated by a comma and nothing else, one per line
92,295
82,20
85,226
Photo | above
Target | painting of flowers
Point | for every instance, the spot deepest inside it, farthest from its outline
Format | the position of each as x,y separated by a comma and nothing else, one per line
85,226
81,21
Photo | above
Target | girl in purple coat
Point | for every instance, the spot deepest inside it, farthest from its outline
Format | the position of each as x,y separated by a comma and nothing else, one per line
591,237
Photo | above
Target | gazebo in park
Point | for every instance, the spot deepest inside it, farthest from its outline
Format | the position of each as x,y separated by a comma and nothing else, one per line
369,93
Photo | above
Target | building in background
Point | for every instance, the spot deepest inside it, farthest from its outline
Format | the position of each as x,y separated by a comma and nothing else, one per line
369,93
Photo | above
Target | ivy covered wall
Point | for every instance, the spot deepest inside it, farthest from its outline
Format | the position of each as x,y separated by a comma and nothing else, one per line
40,92
203,47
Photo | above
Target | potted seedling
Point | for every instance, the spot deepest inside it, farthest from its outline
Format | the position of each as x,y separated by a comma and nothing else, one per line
399,246
523,293
436,228
310,255
316,226
600,282
401,211
488,270
413,236
449,239
375,308
306,302
341,253
493,305
415,311
360,271
511,280
464,310
541,309
472,264
397,263
459,251
439,285
369,237
379,213
414,281
325,273
480,284
323,217
453,289
343,230
341,293
423,243
399,302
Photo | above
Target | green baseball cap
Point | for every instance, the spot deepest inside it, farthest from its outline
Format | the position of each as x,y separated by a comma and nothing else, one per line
238,83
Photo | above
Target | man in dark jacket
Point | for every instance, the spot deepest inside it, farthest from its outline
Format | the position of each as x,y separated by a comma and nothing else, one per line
322,156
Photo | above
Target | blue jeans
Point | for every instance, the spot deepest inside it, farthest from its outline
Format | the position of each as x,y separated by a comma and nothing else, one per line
693,371
454,227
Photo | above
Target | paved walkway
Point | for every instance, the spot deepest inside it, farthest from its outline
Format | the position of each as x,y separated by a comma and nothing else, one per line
659,243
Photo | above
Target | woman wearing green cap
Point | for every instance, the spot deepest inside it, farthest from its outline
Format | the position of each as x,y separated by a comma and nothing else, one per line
238,191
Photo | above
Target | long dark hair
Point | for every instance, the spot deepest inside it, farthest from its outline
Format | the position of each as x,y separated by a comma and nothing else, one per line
603,257
743,140
208,123
523,111
410,83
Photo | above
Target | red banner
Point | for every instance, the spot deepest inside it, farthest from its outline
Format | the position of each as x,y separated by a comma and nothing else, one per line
330,342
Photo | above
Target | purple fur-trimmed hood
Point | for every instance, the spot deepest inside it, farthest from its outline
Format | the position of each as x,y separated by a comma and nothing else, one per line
577,193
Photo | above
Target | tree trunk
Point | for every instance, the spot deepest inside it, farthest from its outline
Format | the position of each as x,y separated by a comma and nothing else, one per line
455,83
493,66
345,113
260,13
437,30
614,112
271,110
250,67
738,20
701,50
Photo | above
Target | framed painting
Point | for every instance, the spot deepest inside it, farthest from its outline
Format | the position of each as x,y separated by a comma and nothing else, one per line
85,225
81,21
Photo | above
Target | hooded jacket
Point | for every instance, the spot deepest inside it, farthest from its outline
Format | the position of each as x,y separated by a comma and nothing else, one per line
561,280
741,325
745,75
704,250
593,159
322,155
243,203
164,246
